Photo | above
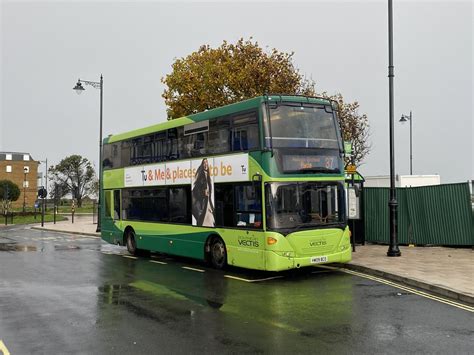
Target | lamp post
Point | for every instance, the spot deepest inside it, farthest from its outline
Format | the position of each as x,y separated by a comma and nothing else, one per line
44,197
79,89
45,176
393,249
403,120
25,171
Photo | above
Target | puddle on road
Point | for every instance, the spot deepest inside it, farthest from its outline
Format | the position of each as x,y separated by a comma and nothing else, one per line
16,247
66,247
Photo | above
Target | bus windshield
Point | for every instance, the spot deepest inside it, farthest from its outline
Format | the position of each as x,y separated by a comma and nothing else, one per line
301,126
298,205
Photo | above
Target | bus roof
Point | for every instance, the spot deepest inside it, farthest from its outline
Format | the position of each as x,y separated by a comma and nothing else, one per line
216,112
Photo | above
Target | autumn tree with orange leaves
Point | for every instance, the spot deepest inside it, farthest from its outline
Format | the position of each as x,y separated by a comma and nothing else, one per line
213,77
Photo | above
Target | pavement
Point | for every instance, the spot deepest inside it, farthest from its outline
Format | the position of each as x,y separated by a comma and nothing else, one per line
445,271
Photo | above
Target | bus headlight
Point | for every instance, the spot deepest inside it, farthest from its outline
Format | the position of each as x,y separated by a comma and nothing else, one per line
271,240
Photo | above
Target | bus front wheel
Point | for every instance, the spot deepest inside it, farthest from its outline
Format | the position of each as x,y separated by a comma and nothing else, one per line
218,253
131,243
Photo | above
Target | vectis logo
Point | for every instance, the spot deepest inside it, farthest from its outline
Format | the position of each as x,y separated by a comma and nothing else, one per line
317,243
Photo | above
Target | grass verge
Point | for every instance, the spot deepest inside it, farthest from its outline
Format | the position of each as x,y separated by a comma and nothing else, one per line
31,219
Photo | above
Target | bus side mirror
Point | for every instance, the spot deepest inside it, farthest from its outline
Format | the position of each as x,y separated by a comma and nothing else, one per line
357,190
256,177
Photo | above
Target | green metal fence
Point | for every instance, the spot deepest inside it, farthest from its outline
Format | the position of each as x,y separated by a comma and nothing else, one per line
436,215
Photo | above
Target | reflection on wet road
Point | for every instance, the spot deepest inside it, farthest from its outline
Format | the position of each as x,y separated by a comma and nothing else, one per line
71,294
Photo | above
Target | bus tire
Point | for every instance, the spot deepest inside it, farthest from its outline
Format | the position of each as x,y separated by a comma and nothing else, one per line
218,253
130,241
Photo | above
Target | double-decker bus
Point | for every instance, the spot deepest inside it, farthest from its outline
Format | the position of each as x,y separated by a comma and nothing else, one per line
257,184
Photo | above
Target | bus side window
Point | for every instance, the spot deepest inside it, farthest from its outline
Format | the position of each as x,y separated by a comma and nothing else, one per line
245,131
126,153
135,151
219,135
180,204
117,204
172,143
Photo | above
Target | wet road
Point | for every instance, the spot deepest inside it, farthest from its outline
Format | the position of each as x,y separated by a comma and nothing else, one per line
61,293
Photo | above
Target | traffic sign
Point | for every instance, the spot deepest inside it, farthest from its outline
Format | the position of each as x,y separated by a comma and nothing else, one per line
42,192
351,169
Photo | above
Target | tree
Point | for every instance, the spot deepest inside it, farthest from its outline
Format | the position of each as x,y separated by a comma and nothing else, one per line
9,191
74,175
213,77
354,126
230,73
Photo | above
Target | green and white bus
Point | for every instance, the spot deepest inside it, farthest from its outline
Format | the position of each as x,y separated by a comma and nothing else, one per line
257,184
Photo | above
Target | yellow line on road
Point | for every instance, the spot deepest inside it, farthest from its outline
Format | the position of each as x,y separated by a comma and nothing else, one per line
158,262
3,348
236,278
192,269
256,280
412,290
129,256
267,279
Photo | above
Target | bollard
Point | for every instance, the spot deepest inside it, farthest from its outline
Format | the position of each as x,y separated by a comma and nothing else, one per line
55,210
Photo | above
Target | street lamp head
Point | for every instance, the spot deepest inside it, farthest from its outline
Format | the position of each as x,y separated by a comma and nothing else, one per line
79,88
404,119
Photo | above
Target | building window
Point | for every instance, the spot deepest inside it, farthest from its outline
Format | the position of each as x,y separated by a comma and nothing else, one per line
26,169
9,168
26,184
26,157
8,157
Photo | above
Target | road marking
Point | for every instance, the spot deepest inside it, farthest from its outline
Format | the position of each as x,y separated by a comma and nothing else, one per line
409,289
129,256
267,279
192,269
158,262
236,278
3,348
256,280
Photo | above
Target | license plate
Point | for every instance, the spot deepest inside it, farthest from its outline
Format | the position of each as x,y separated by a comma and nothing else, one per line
319,259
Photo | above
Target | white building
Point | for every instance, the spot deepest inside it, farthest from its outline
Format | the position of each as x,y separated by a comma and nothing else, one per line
402,180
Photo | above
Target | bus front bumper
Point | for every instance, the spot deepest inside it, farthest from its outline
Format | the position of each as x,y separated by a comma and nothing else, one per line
276,262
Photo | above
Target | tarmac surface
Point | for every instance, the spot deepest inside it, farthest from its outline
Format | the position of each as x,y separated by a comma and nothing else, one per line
63,293
448,272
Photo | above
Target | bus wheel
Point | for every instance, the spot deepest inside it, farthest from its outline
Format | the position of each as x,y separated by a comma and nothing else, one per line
218,253
130,241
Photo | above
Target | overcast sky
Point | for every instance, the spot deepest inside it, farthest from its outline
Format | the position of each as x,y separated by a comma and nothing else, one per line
47,46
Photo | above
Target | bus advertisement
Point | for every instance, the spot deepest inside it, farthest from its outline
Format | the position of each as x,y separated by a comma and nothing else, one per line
257,184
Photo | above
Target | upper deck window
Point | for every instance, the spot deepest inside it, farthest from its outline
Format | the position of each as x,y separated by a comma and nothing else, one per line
302,126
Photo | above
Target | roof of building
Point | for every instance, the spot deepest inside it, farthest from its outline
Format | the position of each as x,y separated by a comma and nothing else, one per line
15,156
